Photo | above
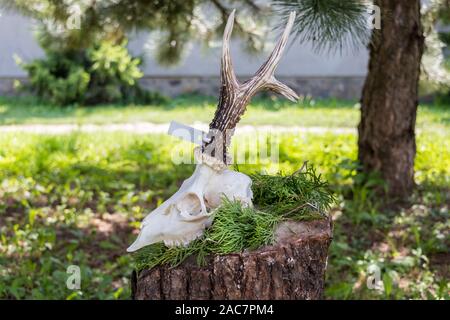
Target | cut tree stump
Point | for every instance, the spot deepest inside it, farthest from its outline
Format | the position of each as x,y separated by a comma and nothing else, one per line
293,268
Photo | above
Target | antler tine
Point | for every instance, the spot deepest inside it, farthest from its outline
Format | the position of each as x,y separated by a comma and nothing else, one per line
264,77
235,96
227,72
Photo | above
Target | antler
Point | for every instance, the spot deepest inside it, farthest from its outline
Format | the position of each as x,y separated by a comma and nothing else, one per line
234,96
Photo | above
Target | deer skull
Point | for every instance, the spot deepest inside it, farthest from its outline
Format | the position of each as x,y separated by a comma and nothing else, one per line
184,216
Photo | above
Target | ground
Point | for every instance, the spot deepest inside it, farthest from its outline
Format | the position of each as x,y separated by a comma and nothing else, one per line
77,198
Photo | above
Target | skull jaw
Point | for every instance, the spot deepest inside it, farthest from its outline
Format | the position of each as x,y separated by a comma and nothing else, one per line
170,230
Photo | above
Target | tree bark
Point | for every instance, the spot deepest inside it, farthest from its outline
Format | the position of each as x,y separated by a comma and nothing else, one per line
390,96
292,268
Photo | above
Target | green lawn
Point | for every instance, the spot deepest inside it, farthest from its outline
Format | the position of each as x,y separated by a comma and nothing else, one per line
190,109
78,199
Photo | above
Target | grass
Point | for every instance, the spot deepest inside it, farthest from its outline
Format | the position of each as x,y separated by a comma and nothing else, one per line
191,109
78,199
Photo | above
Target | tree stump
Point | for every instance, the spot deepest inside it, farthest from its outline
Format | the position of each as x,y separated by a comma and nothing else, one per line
293,268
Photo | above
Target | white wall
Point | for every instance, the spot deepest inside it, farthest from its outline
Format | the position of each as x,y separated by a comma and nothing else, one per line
16,37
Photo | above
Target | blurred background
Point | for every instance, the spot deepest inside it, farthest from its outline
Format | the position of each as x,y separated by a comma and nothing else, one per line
325,76
87,89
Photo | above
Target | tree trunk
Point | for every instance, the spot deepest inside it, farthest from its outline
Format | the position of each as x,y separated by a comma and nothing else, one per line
293,268
390,96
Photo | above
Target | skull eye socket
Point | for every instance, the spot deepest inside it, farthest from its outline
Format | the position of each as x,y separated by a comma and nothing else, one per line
190,204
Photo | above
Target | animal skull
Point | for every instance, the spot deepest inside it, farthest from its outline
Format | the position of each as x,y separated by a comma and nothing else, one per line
183,217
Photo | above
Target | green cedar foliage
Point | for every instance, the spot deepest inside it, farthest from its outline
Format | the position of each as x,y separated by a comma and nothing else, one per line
235,228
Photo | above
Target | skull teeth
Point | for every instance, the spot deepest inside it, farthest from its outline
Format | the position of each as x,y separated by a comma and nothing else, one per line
182,241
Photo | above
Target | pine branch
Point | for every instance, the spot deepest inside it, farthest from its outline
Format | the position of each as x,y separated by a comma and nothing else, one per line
331,25
171,22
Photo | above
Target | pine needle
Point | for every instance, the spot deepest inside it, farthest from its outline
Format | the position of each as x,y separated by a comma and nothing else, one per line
299,196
